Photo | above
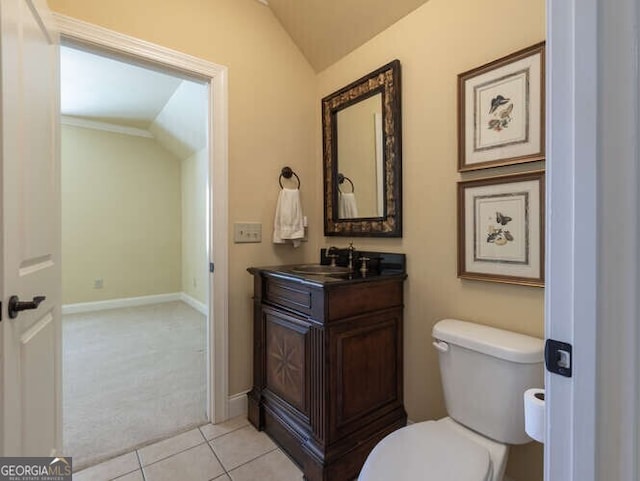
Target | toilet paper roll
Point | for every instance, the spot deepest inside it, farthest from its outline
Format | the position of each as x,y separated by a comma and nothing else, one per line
534,417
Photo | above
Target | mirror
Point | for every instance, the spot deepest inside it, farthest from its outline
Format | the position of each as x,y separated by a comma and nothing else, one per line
362,156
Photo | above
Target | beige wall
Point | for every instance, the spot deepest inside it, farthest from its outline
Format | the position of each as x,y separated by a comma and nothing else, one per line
195,274
271,124
435,43
274,120
120,216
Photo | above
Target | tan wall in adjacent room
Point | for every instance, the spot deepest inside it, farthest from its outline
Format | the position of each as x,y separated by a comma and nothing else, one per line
195,272
120,216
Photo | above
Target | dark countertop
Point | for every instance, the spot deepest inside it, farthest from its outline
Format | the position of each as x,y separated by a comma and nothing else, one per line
390,266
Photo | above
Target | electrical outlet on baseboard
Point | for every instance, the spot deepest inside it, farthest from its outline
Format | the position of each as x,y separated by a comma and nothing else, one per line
98,283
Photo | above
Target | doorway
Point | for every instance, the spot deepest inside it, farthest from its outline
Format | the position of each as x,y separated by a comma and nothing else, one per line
103,41
135,277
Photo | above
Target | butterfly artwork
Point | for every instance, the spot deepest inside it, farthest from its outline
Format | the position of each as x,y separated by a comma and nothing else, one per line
502,219
498,235
500,111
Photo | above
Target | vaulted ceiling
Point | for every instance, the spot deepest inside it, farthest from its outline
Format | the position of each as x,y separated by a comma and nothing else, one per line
327,30
98,88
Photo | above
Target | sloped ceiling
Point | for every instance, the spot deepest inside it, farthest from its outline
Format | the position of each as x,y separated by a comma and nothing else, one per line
327,30
99,88
112,92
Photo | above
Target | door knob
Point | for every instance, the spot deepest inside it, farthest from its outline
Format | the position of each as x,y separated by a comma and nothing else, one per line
16,305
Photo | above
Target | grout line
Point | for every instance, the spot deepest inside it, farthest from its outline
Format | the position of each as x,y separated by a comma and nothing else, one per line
123,475
216,456
110,479
225,434
175,454
221,476
144,477
253,459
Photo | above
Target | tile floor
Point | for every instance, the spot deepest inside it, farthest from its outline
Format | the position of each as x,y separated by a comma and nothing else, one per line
231,451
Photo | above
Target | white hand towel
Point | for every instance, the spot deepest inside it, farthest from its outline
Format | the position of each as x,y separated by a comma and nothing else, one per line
347,207
288,222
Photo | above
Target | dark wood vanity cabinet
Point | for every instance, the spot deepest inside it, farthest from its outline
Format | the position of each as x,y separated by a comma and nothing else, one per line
327,368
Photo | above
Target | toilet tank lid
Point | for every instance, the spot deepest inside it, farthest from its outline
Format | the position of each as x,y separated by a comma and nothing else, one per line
499,343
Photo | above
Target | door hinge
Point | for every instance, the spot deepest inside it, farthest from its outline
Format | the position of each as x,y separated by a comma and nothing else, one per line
211,267
557,357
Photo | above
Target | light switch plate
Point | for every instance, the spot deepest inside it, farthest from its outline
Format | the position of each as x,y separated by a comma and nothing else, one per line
247,232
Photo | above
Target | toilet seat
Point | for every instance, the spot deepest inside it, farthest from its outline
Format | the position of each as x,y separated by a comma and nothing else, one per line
427,451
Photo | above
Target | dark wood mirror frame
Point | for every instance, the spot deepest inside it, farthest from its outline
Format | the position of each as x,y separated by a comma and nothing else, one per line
386,81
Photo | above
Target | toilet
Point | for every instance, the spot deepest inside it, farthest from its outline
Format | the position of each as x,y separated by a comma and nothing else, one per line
485,372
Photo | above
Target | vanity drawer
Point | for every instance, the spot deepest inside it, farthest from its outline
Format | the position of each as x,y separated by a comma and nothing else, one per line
291,295
365,297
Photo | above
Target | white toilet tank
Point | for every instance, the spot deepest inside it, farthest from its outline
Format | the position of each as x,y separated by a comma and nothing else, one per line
485,372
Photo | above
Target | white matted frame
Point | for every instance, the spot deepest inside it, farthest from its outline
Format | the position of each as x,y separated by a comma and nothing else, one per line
501,111
104,40
501,229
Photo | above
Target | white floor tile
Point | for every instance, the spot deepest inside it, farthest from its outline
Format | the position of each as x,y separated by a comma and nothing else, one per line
135,476
155,452
240,446
111,469
274,466
212,431
195,464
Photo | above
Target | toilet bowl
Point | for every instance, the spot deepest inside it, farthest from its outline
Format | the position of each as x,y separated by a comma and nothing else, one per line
485,372
435,450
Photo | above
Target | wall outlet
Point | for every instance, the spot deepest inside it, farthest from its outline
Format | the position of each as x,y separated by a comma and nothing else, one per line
247,232
98,284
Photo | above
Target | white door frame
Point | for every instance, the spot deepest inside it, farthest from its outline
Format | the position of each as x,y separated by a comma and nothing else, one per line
216,76
593,238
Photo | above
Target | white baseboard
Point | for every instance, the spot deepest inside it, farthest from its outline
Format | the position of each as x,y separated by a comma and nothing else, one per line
237,405
118,303
201,307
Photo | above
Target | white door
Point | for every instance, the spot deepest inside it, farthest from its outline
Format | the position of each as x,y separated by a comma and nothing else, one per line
30,225
593,239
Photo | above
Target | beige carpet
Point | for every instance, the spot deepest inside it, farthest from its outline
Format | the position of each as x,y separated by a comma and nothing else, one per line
131,376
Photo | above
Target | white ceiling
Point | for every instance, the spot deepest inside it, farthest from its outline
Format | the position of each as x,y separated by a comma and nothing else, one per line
100,88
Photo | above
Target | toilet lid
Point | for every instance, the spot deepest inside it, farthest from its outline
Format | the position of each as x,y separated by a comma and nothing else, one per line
430,451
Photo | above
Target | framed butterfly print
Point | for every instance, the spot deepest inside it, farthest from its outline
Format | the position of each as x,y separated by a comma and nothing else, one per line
501,229
501,111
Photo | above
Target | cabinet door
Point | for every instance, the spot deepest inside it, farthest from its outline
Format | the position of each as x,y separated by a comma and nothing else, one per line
286,358
366,379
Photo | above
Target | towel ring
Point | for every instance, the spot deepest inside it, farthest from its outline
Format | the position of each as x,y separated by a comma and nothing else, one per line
286,172
341,179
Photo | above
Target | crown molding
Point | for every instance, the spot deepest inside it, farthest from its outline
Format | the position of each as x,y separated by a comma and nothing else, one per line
104,126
